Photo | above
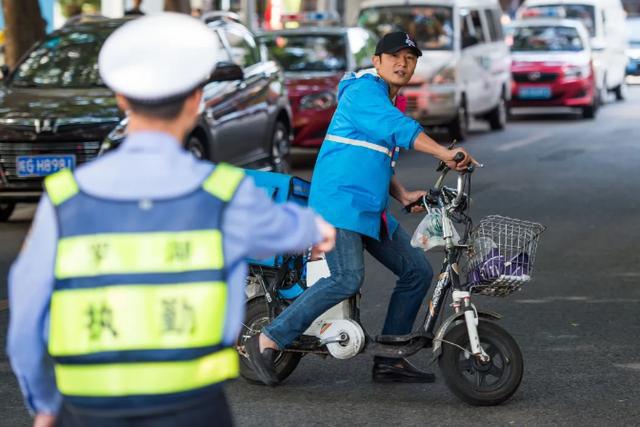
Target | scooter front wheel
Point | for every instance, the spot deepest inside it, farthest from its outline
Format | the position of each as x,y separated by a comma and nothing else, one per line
481,383
256,318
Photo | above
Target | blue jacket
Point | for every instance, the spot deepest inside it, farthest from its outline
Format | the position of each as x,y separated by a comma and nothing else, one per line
350,184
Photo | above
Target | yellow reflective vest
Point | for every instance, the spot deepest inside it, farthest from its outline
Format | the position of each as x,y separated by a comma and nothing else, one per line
139,302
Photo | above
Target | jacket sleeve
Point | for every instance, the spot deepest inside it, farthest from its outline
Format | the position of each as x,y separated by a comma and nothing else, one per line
263,229
368,107
30,287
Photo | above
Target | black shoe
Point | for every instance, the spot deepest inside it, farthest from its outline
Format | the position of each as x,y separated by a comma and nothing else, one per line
401,371
263,363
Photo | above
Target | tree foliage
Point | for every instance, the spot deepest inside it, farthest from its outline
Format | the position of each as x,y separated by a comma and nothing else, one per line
75,7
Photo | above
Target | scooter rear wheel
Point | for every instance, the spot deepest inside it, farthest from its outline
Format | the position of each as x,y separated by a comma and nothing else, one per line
256,318
475,382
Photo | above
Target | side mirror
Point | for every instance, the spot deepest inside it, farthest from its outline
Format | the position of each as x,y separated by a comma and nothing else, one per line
4,71
597,45
226,71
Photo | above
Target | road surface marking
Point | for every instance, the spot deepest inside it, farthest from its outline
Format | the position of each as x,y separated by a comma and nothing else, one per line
522,142
634,366
4,304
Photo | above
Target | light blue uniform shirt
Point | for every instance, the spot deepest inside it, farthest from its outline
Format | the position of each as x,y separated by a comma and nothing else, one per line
148,165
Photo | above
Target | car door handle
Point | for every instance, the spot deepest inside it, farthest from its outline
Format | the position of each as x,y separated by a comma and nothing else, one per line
241,85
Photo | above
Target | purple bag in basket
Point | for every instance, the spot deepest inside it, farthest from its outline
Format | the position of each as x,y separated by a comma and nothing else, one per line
518,265
492,266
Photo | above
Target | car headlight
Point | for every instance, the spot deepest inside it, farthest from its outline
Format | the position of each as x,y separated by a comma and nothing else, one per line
577,72
446,75
115,137
319,101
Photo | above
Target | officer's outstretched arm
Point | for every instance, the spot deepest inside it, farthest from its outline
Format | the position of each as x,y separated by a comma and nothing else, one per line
265,229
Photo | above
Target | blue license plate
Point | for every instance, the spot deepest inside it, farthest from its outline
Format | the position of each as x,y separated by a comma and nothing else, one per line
43,165
543,92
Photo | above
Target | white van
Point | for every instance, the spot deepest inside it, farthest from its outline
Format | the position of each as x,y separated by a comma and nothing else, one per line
605,21
465,67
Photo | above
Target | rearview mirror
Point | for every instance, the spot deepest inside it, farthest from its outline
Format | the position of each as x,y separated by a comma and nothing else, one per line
4,71
597,44
226,71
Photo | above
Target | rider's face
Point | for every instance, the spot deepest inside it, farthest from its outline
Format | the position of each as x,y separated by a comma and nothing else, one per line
396,68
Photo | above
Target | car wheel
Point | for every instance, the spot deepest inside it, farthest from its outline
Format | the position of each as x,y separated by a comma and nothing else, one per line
6,209
497,118
459,127
603,94
589,112
280,149
621,91
196,147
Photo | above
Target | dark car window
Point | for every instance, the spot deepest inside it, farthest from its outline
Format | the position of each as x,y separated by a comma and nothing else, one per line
308,52
67,60
243,48
494,24
431,26
539,38
363,46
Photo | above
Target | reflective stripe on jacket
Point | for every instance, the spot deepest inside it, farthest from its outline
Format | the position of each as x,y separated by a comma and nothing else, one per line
350,184
138,308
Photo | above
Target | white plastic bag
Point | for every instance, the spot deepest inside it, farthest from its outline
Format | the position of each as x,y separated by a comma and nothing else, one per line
429,233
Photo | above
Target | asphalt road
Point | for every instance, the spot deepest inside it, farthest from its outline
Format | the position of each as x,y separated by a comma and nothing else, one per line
577,323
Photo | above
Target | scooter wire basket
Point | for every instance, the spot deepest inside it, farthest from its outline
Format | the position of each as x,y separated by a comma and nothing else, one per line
501,255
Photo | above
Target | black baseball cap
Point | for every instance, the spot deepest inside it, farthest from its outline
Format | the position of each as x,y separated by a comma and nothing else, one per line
394,42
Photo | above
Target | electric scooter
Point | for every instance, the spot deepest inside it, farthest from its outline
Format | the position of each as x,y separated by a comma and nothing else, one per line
480,361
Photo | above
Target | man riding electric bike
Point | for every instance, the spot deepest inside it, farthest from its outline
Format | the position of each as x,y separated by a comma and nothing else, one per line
352,180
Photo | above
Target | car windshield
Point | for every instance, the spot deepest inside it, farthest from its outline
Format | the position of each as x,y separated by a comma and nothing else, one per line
582,12
308,52
67,60
545,39
431,26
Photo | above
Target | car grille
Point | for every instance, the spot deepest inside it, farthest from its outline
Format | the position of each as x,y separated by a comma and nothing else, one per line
533,77
412,104
84,151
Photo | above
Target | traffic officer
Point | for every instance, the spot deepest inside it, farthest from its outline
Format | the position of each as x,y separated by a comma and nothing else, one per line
128,295
351,183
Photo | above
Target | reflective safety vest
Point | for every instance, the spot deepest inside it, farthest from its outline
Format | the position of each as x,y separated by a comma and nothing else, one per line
139,303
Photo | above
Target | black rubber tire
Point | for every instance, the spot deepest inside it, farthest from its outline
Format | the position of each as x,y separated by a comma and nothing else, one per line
500,346
6,209
256,318
280,149
621,92
497,117
589,112
196,147
459,126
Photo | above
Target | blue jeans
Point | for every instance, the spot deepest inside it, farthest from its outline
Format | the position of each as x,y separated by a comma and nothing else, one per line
346,264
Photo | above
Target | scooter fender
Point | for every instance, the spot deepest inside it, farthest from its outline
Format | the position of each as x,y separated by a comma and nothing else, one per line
453,320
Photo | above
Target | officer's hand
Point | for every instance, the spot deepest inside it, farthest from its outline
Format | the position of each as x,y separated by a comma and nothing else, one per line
461,166
44,420
328,233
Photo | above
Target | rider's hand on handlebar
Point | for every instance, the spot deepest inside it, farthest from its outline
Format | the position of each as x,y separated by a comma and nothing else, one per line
328,235
412,196
462,165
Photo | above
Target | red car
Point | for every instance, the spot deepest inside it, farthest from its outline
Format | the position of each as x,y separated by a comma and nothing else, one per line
314,61
552,66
